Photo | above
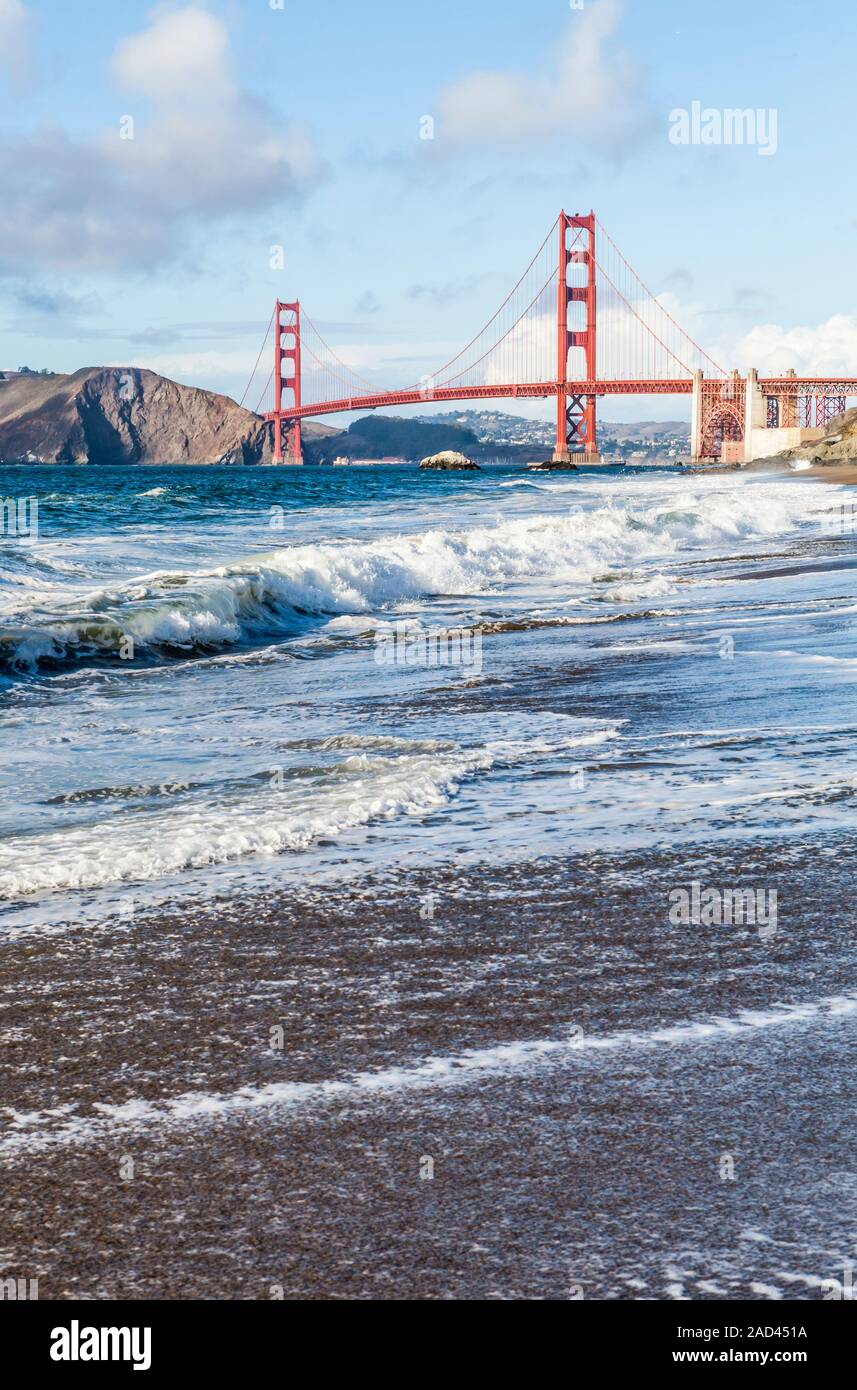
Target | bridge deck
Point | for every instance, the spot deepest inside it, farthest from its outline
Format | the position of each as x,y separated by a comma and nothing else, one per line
675,386
531,389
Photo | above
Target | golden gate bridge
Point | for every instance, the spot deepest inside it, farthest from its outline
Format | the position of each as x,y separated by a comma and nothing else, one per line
579,325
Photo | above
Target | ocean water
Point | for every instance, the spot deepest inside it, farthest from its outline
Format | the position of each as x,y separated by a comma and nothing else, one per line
664,658
295,893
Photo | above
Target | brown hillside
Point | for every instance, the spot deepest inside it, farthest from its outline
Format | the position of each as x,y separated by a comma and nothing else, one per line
125,415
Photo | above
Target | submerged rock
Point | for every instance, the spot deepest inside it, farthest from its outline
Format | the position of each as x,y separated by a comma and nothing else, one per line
550,466
449,460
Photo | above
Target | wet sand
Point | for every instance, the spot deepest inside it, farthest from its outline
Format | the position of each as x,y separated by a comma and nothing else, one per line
596,1164
834,473
844,473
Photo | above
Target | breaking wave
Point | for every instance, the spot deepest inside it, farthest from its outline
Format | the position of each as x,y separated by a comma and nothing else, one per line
288,592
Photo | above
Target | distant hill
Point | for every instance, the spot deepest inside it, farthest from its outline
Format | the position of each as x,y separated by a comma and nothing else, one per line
645,431
497,426
127,415
390,436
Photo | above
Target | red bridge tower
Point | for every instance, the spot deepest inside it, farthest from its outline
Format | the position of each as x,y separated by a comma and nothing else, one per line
287,347
575,411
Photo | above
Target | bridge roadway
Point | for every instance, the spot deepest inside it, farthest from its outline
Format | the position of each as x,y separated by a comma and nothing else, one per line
675,386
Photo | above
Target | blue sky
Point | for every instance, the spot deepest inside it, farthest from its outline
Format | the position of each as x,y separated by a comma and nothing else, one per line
300,126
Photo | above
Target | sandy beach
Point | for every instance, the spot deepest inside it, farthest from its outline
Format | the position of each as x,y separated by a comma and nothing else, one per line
834,473
844,473
596,1164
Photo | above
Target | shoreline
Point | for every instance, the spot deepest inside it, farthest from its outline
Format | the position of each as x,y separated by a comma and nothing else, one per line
834,473
839,472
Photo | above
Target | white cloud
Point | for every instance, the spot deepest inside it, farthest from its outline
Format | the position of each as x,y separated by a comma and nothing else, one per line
530,347
15,57
828,349
531,342
204,150
199,366
183,56
210,146
593,90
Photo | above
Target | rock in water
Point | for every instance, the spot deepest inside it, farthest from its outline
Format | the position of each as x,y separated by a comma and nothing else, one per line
449,460
551,466
124,415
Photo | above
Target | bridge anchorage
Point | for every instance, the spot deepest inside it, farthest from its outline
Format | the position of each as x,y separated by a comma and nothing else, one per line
578,326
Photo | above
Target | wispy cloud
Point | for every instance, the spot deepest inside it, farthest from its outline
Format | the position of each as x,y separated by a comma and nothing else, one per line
449,292
751,297
679,280
591,90
56,303
206,368
15,43
368,303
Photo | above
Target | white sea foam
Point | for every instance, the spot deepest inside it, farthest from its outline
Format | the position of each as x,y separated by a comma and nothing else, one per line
191,826
167,839
808,658
41,1128
284,590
